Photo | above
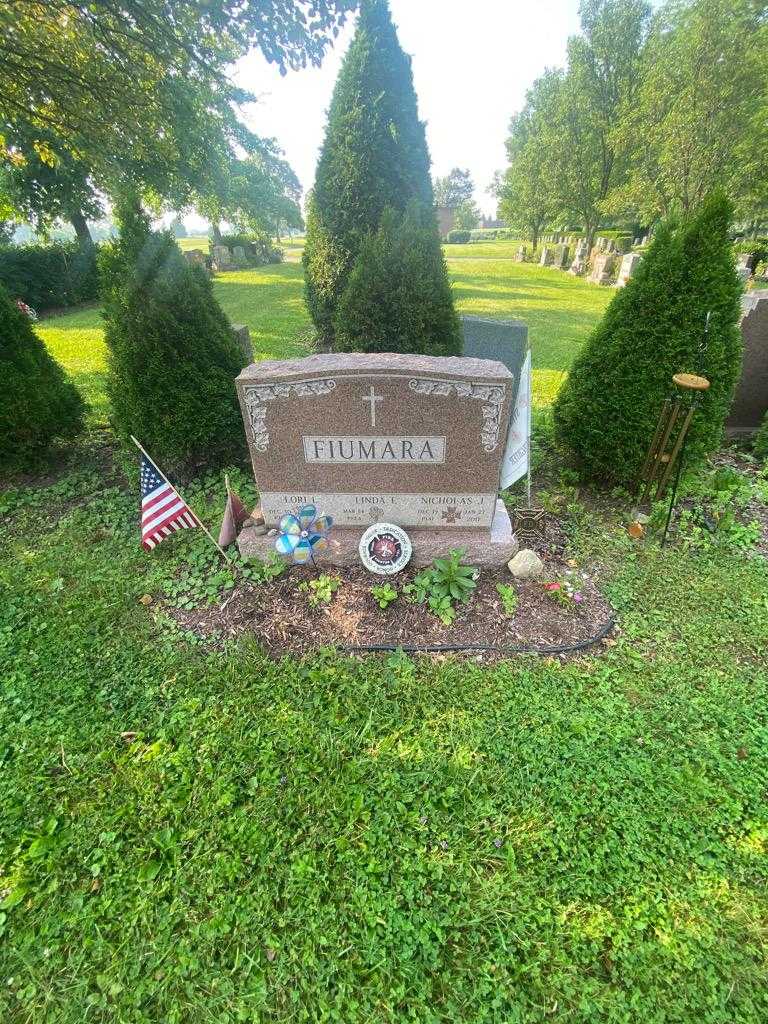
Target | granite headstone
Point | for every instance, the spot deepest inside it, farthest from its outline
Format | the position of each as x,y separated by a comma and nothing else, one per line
628,266
411,440
750,403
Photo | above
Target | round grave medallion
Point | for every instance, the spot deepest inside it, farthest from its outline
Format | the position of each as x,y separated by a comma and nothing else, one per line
385,549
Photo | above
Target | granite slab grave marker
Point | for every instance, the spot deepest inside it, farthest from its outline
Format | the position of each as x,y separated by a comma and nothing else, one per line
412,440
562,255
547,257
503,340
628,266
750,403
243,338
603,268
579,264
222,257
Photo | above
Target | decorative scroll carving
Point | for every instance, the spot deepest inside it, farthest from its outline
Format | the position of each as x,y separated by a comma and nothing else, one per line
255,395
492,394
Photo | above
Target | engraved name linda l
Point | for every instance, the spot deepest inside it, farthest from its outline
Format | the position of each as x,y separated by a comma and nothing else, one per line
374,449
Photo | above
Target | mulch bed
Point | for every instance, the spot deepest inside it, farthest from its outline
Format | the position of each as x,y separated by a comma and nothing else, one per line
280,616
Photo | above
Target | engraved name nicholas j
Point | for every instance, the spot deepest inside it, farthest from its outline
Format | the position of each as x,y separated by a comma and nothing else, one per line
374,449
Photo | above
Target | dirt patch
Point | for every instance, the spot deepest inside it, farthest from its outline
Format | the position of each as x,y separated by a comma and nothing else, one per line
280,616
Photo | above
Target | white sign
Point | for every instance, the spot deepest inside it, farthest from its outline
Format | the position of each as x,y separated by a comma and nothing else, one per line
517,453
385,549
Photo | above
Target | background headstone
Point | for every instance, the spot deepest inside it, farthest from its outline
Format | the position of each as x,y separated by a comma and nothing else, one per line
503,340
579,264
222,257
628,266
750,403
603,268
562,254
521,254
547,256
243,339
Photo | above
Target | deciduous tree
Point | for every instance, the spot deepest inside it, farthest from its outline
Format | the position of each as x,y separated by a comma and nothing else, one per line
454,189
698,118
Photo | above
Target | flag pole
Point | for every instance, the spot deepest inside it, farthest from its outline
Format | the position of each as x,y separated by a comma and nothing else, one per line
202,525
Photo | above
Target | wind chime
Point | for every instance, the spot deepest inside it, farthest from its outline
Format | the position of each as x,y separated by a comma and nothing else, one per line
666,454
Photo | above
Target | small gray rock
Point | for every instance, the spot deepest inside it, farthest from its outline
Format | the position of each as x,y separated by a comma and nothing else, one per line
640,517
526,565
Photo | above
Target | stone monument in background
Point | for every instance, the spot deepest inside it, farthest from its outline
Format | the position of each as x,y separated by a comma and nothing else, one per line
628,266
603,268
750,403
581,252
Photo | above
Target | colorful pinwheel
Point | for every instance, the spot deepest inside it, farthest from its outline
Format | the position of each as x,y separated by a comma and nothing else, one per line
303,535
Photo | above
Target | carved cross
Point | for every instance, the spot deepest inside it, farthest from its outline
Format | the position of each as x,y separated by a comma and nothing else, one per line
373,398
451,514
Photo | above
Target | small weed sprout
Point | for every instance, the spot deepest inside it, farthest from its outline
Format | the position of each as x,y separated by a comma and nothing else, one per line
384,595
321,590
508,596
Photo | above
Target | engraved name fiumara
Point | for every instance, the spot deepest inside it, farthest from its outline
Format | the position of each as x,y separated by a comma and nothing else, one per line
374,449
413,440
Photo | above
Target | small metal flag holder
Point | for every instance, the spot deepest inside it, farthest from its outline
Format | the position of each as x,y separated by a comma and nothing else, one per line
666,454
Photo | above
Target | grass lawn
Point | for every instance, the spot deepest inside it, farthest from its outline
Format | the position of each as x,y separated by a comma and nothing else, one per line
373,840
560,311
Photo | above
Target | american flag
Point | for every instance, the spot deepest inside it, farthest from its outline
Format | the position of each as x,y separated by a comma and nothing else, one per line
163,510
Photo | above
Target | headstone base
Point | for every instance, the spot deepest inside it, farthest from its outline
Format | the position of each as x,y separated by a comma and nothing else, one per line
483,549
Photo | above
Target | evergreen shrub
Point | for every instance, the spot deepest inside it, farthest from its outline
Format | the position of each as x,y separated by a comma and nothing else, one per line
608,407
47,276
457,237
374,156
398,298
37,401
172,358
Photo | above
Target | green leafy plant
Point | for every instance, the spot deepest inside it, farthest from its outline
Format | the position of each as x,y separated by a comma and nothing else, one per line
320,590
444,584
398,298
45,276
263,572
566,591
384,595
761,441
509,599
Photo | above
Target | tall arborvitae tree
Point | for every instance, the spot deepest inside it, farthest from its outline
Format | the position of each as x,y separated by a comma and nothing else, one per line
37,401
374,157
172,355
653,328
398,298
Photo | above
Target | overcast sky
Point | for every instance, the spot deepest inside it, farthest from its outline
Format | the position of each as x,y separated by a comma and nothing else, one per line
472,63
